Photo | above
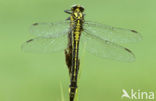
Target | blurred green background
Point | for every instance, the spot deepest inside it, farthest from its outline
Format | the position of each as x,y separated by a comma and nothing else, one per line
44,77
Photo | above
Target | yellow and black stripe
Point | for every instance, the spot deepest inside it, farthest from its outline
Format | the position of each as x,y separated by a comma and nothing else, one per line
72,52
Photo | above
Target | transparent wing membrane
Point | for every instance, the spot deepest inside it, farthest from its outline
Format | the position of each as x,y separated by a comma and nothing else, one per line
45,45
50,29
106,49
101,40
113,34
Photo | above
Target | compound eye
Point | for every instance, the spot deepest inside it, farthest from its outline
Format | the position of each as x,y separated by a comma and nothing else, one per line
81,9
73,8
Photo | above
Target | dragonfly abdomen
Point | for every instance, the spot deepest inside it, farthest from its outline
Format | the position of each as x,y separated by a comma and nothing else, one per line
75,60
73,90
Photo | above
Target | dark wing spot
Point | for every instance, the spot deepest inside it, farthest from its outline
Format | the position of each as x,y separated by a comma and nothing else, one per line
35,24
30,40
128,50
134,31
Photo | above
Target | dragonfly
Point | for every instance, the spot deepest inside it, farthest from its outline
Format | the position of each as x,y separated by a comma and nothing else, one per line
100,39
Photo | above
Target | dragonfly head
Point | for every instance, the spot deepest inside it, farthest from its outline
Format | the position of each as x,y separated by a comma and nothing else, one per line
77,8
77,11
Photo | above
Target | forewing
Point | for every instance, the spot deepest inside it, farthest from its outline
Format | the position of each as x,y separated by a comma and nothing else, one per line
112,34
45,45
50,29
106,49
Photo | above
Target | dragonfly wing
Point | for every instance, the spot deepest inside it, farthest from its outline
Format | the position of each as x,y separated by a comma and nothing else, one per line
106,49
45,45
50,29
113,34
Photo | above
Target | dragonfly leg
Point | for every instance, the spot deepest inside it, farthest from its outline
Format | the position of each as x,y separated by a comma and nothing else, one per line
68,11
68,18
